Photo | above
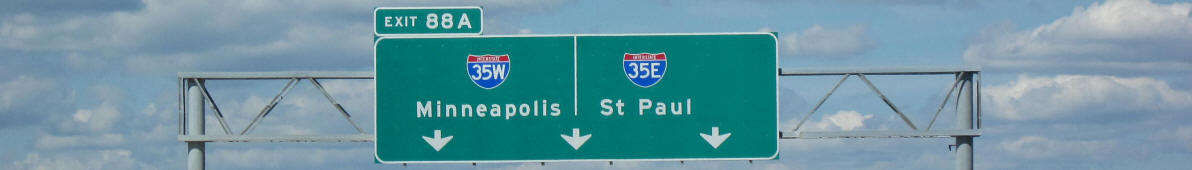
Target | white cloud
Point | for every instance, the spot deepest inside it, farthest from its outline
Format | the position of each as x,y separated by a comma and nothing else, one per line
65,7
818,41
1034,98
528,4
327,44
150,110
168,35
844,120
79,141
848,120
79,62
97,119
101,117
525,31
1179,136
933,161
776,166
101,159
1043,147
900,2
285,158
165,36
1112,36
765,29
16,91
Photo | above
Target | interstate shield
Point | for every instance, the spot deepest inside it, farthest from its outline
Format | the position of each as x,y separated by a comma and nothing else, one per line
488,71
645,69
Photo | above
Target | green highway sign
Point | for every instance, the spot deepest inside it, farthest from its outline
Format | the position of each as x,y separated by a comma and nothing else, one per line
545,98
395,21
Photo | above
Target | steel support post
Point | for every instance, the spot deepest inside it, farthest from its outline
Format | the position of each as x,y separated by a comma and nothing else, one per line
194,126
964,121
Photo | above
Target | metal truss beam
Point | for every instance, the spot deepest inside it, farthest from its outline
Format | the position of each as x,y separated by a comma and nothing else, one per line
876,70
218,115
821,102
269,107
945,103
278,138
274,75
882,134
337,106
197,80
958,71
888,102
967,86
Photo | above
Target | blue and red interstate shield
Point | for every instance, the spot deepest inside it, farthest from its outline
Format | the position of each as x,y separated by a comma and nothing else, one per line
645,69
488,71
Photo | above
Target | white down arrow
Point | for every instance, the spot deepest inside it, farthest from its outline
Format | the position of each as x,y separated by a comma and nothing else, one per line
439,141
716,138
575,139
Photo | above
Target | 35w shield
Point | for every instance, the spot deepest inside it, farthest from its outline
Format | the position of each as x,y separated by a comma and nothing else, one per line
488,71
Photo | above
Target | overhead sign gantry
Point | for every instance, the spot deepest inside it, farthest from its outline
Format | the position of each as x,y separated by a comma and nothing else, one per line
632,97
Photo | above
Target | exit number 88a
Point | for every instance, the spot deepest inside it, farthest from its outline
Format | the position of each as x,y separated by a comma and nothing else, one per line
447,21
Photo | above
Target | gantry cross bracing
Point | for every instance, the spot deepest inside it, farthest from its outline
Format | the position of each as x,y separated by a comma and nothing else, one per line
197,81
965,78
966,86
194,99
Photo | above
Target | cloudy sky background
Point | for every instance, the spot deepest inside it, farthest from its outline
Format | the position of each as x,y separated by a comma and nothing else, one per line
1067,84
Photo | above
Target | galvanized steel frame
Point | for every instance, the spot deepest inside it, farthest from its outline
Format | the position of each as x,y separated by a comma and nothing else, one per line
967,80
966,84
958,72
198,79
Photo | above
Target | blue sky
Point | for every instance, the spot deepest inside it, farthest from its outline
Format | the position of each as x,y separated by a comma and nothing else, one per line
1068,84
